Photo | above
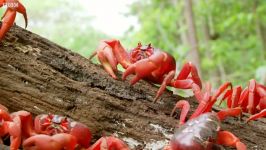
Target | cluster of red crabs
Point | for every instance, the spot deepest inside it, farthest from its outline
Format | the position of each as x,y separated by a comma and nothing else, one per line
201,131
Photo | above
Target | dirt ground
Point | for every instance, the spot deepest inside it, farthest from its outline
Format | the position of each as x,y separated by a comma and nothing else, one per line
39,76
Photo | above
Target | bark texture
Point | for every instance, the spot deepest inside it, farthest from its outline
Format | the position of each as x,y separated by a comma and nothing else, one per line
193,55
39,76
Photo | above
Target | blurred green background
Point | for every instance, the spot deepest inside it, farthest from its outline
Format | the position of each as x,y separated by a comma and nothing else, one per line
225,38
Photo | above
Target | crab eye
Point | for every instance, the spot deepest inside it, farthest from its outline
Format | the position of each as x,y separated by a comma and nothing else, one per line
139,44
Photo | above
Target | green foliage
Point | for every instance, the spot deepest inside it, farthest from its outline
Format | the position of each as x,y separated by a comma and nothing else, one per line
62,22
234,45
156,26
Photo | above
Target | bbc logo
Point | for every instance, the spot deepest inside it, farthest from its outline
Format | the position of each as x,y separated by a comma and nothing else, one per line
11,5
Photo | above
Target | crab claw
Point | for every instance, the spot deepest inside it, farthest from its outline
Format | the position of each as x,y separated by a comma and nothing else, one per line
141,68
151,68
55,142
227,138
26,123
13,6
106,143
12,128
110,53
82,134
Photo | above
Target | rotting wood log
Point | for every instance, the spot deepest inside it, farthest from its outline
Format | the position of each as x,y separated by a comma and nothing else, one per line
40,76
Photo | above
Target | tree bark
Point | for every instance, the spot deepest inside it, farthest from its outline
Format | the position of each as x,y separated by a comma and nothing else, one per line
212,73
39,76
193,55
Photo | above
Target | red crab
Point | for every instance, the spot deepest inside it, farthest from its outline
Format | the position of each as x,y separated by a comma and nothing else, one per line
204,133
148,63
13,6
68,142
54,124
51,125
252,99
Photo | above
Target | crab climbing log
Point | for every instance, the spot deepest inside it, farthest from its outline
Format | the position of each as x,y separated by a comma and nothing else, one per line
39,76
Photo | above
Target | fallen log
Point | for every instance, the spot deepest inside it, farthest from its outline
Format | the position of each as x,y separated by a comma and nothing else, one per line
40,76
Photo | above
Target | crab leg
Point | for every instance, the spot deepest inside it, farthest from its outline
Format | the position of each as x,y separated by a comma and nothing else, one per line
21,9
235,96
183,81
262,104
261,90
243,101
258,115
251,95
208,101
220,90
7,22
186,70
184,106
202,106
227,138
227,96
10,15
182,84
189,84
229,112
167,80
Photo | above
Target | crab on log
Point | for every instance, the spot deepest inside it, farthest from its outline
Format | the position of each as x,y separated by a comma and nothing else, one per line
41,77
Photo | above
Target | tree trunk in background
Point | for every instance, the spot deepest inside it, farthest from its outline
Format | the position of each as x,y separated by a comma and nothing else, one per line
260,29
183,35
193,55
217,75
208,53
261,32
40,76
